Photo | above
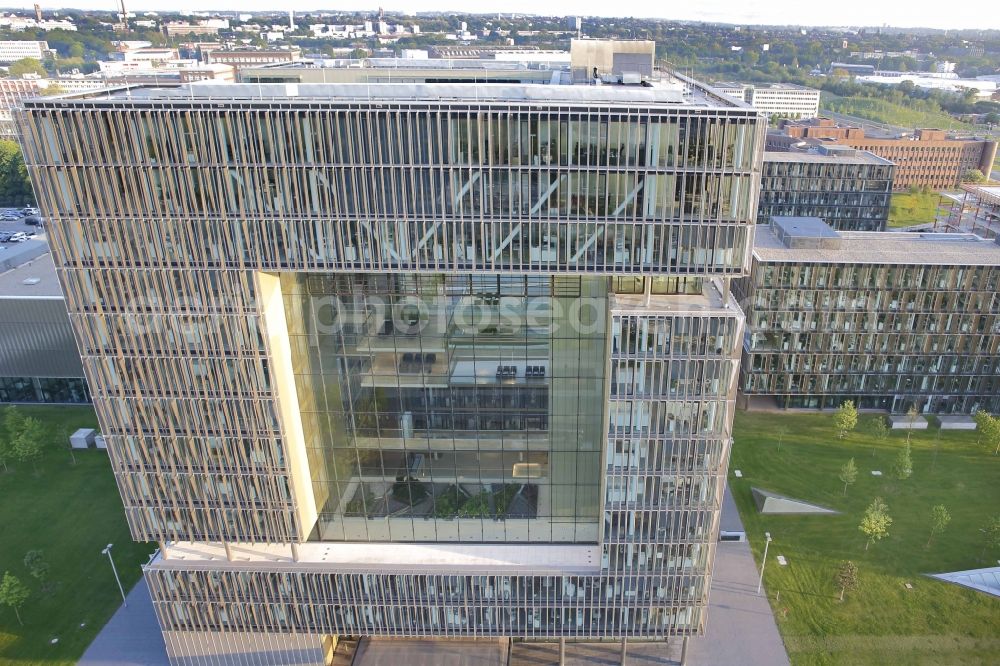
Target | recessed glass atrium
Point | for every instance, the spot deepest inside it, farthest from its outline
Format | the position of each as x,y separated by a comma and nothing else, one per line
451,408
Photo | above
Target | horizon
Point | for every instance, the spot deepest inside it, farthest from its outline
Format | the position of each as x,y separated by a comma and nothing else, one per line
753,13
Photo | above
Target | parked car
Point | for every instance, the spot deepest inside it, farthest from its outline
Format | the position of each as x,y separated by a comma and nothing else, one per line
5,236
30,210
10,216
34,221
18,237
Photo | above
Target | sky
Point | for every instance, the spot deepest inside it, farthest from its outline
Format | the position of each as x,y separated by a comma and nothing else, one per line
899,13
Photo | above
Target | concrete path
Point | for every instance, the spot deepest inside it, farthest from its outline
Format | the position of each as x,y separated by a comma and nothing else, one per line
132,636
741,628
431,652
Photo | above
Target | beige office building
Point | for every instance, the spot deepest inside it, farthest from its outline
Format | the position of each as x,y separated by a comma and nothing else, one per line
419,359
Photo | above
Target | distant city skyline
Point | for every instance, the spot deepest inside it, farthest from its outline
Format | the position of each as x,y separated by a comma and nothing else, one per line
895,13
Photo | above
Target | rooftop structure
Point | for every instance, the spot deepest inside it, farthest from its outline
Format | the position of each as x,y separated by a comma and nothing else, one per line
675,92
33,275
241,58
39,361
811,240
977,210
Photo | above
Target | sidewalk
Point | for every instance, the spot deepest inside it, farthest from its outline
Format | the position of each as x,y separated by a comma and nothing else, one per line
132,636
741,628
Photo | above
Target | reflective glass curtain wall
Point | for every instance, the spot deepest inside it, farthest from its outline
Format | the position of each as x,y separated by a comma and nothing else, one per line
451,408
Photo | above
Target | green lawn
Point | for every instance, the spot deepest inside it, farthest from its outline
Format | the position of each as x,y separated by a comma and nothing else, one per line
908,208
882,622
69,512
882,111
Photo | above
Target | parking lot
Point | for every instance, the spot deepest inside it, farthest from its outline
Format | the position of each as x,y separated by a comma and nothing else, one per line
10,226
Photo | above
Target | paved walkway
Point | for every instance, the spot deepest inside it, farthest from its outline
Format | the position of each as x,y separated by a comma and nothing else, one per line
132,636
741,628
431,652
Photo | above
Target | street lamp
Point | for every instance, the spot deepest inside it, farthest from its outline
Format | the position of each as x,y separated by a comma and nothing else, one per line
760,581
114,570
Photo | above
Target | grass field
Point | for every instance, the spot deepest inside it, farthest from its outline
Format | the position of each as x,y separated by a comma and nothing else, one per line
908,209
882,111
882,621
70,512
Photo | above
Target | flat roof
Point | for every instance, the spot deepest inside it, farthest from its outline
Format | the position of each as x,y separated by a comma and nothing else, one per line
407,64
672,91
453,558
763,86
804,226
12,283
857,157
883,247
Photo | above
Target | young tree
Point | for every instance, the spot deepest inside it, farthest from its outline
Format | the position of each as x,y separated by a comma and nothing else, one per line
848,474
937,447
847,577
880,431
6,450
911,415
991,534
988,427
780,431
902,468
13,593
939,520
10,428
12,421
36,565
28,444
63,437
846,418
876,522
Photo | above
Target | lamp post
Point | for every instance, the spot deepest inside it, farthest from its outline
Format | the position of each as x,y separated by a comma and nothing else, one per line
760,581
114,570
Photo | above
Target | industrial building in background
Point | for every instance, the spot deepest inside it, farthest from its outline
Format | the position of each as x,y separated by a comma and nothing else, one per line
932,158
39,361
418,359
889,320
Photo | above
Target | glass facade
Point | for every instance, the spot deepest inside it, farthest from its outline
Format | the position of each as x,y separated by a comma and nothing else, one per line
451,408
44,389
323,330
663,190
887,336
848,193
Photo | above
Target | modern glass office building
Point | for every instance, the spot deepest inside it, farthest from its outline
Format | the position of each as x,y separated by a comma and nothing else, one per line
849,189
409,359
888,320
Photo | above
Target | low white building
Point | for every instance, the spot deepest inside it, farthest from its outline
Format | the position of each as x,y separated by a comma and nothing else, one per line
14,50
786,100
